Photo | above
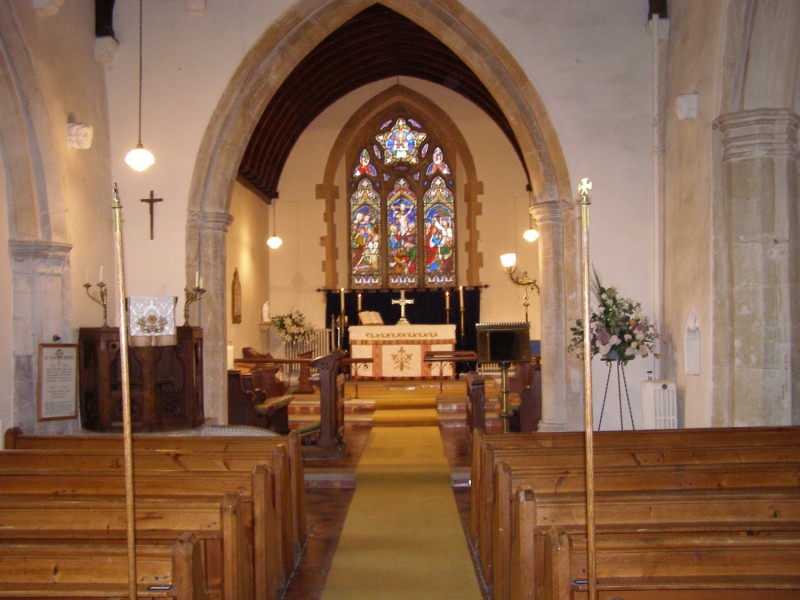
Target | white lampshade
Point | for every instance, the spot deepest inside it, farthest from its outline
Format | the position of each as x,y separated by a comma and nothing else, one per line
140,159
274,242
531,235
508,260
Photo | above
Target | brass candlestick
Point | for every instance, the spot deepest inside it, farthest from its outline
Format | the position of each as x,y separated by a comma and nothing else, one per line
101,299
192,296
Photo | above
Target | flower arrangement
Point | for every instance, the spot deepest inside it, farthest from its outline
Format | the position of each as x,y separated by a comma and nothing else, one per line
620,331
292,326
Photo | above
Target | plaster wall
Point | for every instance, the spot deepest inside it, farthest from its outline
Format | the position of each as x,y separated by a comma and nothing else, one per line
247,252
694,56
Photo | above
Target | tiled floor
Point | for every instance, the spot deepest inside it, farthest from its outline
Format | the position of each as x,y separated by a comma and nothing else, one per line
329,494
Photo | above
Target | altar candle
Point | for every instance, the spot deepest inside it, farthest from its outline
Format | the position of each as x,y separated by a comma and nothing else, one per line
101,273
341,299
359,301
461,296
197,279
200,284
447,300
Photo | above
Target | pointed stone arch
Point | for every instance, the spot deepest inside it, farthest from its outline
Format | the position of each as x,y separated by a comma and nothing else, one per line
38,244
258,77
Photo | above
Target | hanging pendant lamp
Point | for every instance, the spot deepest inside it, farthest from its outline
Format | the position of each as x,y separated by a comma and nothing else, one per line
274,241
140,159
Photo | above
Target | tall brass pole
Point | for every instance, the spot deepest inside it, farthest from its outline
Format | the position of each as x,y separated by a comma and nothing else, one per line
126,396
583,189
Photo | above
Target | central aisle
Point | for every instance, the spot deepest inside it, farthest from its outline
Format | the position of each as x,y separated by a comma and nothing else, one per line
402,537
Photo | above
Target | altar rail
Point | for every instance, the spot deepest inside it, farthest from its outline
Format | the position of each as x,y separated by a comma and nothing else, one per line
319,345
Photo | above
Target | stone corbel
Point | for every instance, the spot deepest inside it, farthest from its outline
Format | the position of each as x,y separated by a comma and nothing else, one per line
79,136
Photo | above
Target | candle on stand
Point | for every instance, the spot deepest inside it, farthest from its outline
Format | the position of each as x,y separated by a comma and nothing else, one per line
461,296
200,284
447,300
359,301
341,299
197,279
101,273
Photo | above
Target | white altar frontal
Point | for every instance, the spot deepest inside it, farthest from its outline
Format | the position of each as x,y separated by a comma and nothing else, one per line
398,351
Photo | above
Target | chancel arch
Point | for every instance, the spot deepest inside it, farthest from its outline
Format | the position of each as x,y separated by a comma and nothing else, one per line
259,77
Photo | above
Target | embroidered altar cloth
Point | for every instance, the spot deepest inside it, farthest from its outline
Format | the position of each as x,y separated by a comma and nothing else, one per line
398,351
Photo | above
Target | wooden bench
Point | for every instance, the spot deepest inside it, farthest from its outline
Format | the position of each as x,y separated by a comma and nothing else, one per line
270,508
288,479
740,512
683,566
626,464
258,399
267,569
217,523
626,448
476,404
100,570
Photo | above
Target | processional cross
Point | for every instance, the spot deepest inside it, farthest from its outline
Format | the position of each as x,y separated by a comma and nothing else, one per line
151,201
402,302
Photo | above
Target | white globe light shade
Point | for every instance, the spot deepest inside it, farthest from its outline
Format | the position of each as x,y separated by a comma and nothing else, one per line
274,242
140,159
531,235
508,260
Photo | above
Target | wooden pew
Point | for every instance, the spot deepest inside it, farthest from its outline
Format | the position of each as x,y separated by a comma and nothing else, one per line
261,448
626,448
276,541
675,567
217,523
257,398
732,511
476,404
526,382
100,570
230,559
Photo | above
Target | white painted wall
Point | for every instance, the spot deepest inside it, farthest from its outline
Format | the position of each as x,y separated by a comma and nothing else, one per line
247,252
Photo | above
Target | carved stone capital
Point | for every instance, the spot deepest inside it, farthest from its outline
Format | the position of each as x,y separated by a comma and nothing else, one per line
758,133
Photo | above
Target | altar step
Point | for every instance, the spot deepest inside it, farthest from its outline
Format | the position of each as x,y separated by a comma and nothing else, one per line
398,403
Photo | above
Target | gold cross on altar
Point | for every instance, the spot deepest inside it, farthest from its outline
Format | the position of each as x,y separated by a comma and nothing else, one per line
402,302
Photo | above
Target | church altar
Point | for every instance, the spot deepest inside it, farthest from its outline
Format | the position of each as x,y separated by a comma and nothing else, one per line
398,351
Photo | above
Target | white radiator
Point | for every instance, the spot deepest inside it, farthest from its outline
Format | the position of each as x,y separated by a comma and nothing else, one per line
659,405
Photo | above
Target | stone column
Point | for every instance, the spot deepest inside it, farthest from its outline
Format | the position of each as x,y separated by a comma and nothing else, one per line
756,362
42,311
210,227
551,281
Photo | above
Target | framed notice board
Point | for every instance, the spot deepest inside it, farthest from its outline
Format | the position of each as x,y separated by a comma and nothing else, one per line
57,387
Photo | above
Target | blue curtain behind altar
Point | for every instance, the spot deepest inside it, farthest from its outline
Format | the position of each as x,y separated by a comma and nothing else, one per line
428,309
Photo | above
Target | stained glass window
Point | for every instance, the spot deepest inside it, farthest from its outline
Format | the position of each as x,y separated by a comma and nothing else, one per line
403,233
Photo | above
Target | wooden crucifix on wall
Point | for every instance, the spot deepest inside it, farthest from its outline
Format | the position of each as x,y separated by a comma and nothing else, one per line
151,201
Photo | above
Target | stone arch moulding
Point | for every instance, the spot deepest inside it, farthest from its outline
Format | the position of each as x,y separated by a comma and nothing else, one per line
255,82
38,239
350,138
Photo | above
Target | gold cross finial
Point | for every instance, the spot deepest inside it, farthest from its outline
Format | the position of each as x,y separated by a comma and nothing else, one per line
584,188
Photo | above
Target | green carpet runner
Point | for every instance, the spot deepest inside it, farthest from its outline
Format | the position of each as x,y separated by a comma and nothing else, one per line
402,538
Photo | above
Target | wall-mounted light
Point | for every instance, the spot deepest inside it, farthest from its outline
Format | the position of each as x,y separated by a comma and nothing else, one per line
274,241
140,159
509,262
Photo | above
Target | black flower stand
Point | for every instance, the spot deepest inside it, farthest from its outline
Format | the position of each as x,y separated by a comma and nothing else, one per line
621,383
